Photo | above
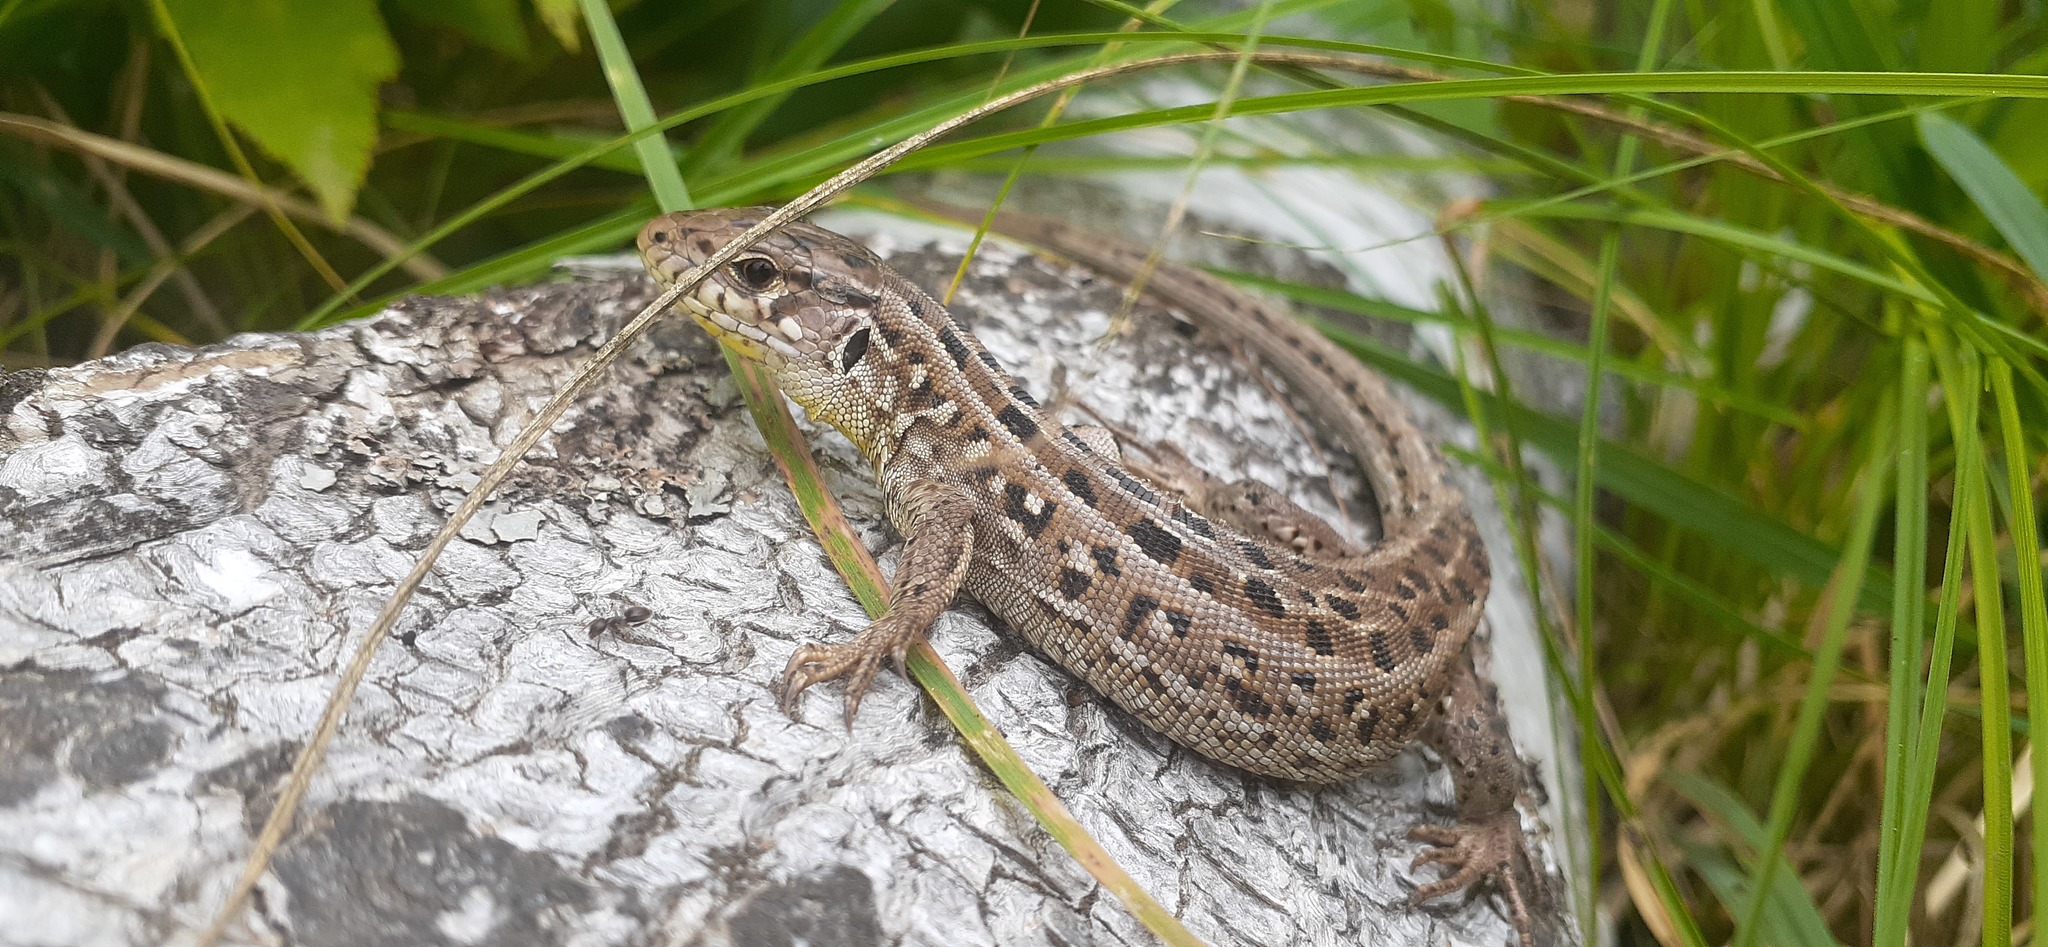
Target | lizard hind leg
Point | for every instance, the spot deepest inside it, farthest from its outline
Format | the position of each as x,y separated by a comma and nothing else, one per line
1257,509
1471,736
939,544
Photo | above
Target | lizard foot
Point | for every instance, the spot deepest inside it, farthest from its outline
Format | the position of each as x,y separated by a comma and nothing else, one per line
1474,852
855,662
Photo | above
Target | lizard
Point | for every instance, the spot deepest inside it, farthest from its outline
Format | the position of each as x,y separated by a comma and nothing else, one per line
1220,614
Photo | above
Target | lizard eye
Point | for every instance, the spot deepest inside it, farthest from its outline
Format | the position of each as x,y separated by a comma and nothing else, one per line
756,273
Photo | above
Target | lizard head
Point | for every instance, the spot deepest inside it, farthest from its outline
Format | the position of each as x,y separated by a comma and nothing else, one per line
801,302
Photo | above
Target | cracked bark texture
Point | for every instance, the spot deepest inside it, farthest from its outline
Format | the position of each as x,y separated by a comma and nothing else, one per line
191,541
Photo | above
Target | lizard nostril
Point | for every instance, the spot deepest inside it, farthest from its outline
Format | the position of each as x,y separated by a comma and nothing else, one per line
659,236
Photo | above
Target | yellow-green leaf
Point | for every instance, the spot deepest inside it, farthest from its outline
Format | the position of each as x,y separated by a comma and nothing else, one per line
562,19
299,77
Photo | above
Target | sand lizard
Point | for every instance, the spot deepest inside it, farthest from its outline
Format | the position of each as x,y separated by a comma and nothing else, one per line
1226,618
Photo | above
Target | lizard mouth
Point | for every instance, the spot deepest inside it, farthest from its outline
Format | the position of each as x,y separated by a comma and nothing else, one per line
713,306
745,337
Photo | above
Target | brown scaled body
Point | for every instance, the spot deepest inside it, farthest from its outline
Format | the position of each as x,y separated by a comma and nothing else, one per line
1235,629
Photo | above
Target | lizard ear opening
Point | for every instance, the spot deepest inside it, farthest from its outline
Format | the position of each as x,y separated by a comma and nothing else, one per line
855,347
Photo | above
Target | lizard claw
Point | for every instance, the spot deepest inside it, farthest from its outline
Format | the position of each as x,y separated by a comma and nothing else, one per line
855,662
1474,852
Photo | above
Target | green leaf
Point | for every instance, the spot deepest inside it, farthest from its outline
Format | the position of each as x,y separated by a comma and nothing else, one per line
299,77
494,23
1992,185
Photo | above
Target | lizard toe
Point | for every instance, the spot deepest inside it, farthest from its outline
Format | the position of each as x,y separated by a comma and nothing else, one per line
1477,851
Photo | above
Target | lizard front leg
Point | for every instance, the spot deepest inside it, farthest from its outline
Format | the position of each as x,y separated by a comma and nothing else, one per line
938,523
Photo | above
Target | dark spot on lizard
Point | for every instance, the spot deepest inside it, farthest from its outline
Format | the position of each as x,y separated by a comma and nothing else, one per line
1466,593
1255,554
954,347
1180,621
1022,396
1155,541
1262,595
1369,724
1195,523
920,396
1141,608
1319,639
1074,583
1105,560
1153,682
1074,441
988,360
1133,487
1305,680
1342,606
1382,654
1248,702
1238,650
1077,483
1201,583
1321,730
1346,580
1015,508
1422,639
1014,419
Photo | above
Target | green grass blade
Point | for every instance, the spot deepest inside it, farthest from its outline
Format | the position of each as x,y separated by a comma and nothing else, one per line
1835,83
1909,613
1960,382
2033,606
634,107
1843,592
1995,698
553,146
2011,206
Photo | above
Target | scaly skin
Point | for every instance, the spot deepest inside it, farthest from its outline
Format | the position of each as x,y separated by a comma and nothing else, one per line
1250,634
